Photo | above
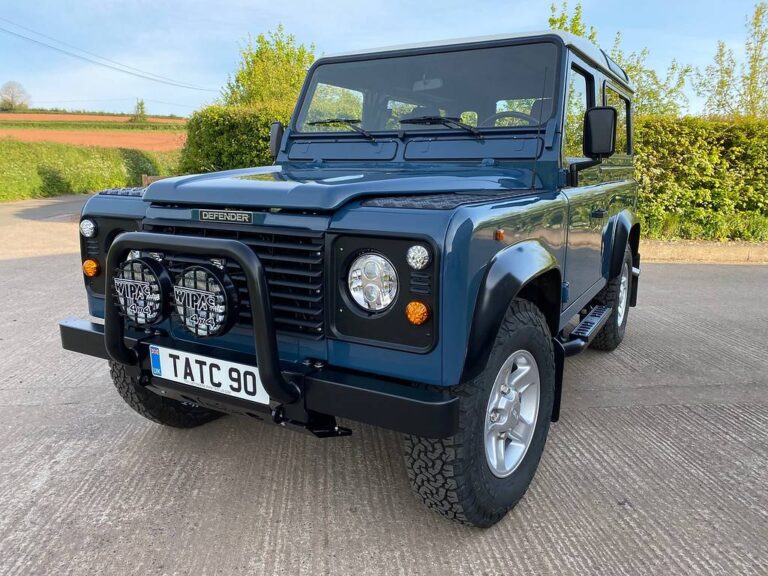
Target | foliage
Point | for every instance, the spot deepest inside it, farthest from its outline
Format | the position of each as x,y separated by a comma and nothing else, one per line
699,178
702,179
139,112
13,97
223,137
271,71
573,23
754,91
729,94
40,169
717,84
654,93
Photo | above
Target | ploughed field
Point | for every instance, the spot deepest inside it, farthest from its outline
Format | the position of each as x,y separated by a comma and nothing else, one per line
158,134
156,141
66,117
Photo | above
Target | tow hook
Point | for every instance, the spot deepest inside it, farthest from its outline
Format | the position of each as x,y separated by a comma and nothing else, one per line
319,425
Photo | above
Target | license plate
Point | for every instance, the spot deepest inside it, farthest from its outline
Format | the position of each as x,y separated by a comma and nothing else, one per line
212,374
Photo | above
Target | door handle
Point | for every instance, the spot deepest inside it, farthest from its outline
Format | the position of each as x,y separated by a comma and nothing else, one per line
599,213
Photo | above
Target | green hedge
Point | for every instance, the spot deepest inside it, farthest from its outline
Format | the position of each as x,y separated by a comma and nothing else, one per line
703,179
40,169
699,179
222,137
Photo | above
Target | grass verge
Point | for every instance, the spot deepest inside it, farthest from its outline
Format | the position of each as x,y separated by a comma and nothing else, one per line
42,169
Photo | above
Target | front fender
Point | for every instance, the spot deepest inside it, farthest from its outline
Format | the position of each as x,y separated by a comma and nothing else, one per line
510,270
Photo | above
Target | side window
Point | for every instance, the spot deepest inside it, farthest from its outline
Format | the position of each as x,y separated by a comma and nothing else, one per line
614,99
577,105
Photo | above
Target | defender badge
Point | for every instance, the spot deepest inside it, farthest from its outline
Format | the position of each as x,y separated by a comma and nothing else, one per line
230,216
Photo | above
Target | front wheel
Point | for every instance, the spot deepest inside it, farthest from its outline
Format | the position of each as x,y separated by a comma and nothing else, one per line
479,474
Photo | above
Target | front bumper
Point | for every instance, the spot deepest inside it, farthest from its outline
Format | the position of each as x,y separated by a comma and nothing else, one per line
300,395
325,391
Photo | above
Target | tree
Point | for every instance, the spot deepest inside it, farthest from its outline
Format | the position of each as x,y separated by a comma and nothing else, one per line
272,70
754,76
718,83
573,23
139,112
13,96
746,94
654,94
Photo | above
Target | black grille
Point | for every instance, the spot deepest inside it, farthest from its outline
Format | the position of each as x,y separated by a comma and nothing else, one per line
293,263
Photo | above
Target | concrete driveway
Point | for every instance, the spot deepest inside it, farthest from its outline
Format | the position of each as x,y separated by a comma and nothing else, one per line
658,465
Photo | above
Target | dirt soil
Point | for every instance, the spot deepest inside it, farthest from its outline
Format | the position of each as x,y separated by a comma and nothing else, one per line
43,117
158,141
704,251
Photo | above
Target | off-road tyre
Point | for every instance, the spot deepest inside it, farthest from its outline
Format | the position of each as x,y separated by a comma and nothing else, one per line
452,475
164,411
611,335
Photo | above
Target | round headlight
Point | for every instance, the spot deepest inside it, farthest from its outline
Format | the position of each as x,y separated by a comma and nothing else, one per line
418,257
372,282
88,228
139,289
204,299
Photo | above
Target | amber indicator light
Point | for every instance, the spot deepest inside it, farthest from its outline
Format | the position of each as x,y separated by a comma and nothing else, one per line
417,312
90,268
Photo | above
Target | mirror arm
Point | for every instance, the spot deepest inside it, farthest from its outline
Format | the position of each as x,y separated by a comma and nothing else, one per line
576,167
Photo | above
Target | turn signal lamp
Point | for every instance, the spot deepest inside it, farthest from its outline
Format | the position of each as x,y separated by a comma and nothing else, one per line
417,312
90,268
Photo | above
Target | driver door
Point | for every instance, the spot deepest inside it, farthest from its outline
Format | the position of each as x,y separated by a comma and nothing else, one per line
587,212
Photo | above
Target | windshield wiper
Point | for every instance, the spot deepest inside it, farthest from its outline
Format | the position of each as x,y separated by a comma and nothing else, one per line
445,121
349,122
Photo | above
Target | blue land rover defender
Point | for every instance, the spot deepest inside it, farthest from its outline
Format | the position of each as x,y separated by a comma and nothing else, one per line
442,226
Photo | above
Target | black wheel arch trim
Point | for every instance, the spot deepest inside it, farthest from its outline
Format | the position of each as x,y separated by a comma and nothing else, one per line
623,223
508,273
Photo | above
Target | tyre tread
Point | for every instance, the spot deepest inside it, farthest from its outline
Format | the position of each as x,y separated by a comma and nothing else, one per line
439,469
161,410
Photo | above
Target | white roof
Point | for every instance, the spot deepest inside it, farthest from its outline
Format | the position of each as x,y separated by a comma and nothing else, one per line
577,43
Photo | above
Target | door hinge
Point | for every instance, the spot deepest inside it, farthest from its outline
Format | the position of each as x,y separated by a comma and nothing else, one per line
565,292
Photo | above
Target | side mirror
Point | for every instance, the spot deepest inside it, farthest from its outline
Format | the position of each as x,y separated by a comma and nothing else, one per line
600,132
275,138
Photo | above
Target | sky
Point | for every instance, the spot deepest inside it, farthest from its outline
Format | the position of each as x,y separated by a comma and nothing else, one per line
197,42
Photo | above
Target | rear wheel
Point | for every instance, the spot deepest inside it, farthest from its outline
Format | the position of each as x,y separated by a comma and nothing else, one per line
164,411
479,474
616,295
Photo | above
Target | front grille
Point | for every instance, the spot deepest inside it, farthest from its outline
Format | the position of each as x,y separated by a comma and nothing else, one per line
292,261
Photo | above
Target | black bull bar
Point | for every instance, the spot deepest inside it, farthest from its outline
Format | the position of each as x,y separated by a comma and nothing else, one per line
300,398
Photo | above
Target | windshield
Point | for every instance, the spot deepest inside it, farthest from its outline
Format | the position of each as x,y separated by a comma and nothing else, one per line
485,88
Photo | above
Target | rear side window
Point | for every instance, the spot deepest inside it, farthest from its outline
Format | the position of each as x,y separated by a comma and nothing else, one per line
578,103
623,136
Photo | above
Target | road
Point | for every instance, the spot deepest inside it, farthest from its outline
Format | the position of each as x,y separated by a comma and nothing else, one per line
658,465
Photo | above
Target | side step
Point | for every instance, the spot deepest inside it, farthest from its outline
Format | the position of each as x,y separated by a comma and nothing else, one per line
588,328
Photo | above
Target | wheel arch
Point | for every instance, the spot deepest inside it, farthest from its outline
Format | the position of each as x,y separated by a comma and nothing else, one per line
624,228
526,270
